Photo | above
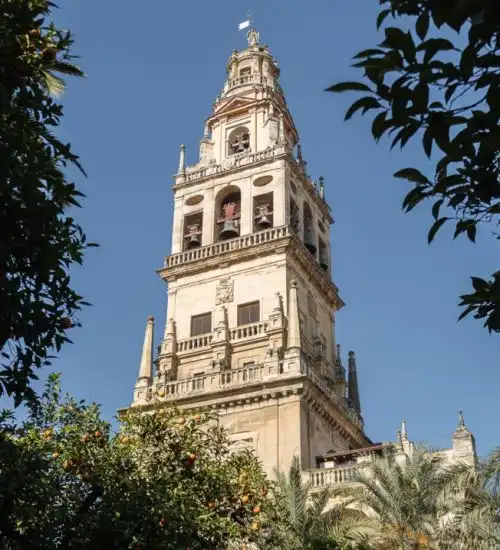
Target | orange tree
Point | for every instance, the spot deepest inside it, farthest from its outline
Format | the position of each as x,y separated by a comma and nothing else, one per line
39,240
164,479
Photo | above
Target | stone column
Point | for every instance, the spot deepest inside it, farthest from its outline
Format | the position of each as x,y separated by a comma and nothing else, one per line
293,339
167,359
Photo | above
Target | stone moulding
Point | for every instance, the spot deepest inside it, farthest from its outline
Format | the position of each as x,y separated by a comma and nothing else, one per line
268,241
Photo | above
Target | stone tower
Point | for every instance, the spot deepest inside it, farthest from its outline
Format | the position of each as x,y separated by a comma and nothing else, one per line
250,327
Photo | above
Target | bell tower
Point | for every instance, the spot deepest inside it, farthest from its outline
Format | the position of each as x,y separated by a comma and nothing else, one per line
250,324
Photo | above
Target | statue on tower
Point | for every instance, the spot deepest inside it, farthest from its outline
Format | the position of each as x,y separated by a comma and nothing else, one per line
253,37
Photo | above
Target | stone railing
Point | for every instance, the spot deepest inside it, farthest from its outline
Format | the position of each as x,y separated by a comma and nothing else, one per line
194,343
323,477
207,382
233,161
245,332
200,343
214,381
245,241
247,79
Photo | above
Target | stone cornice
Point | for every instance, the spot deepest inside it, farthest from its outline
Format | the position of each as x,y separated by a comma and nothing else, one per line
322,405
310,189
249,246
234,165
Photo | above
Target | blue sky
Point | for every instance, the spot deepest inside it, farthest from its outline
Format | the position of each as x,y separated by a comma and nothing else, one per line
153,73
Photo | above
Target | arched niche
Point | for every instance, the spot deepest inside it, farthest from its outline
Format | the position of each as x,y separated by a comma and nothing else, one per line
323,254
238,141
192,230
263,211
227,213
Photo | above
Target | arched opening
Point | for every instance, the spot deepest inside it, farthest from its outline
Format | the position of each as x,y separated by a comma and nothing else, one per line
294,216
228,211
308,228
238,141
323,255
193,226
263,211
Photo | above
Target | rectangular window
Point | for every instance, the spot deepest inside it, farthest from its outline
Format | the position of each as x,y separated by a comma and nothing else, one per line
249,313
201,324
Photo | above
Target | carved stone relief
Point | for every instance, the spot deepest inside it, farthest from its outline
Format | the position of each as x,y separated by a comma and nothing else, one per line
224,291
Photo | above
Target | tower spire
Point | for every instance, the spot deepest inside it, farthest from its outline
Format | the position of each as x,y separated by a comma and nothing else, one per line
352,384
146,367
461,421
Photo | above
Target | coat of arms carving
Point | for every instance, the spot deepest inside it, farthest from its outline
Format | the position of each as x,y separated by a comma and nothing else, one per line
224,291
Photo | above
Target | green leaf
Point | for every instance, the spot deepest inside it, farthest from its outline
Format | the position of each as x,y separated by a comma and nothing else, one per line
427,142
432,46
480,285
436,207
412,174
369,53
405,134
396,39
422,25
435,228
381,17
414,197
365,103
471,232
379,125
348,87
420,96
467,311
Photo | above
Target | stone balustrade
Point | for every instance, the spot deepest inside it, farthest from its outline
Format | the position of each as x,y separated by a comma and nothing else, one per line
320,478
211,250
245,332
178,389
200,343
248,79
216,381
230,163
194,343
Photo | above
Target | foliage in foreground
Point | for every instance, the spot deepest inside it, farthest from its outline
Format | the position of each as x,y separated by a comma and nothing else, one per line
38,239
424,503
165,480
440,80
310,520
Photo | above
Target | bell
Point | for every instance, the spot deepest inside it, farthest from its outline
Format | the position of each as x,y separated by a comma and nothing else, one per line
309,244
263,221
229,230
193,241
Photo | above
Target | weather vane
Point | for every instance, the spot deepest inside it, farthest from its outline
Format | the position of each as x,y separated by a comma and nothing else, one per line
252,34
